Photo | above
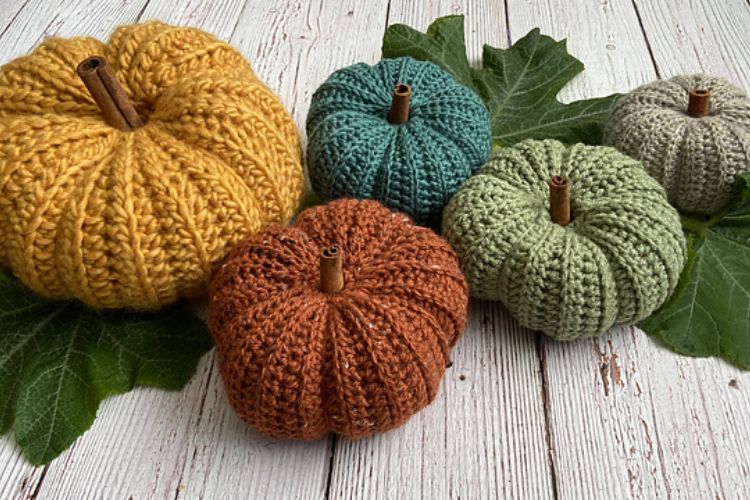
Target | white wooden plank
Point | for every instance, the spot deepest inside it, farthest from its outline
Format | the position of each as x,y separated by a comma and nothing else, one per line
39,19
484,21
221,456
219,18
24,25
277,37
626,418
629,418
295,46
709,37
645,422
603,35
9,11
699,36
189,445
136,447
18,478
484,435
227,459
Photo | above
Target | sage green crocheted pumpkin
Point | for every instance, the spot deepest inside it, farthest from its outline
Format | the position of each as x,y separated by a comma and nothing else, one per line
616,262
355,150
695,159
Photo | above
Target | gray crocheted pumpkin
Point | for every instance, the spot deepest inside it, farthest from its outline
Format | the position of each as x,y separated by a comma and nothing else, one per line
695,158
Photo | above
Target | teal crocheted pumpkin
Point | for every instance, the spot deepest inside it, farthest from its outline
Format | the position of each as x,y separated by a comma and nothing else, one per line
357,147
617,260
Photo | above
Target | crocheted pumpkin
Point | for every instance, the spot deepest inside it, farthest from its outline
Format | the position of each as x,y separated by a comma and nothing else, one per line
694,153
342,322
616,261
410,148
137,217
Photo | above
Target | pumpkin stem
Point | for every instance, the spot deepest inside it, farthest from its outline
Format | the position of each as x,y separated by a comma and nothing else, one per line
331,275
559,199
399,112
101,82
699,103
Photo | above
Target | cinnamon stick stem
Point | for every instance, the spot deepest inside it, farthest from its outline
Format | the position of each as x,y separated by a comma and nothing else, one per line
399,112
559,199
699,103
331,275
101,82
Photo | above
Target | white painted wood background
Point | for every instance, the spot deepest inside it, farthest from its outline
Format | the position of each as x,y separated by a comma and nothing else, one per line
517,415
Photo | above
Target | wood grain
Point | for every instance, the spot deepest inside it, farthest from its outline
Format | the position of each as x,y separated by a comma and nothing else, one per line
137,446
219,18
295,46
39,19
628,418
10,11
190,444
699,37
25,25
18,478
484,436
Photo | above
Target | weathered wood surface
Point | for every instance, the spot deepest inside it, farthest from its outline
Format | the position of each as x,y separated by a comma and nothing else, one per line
517,415
485,435
627,417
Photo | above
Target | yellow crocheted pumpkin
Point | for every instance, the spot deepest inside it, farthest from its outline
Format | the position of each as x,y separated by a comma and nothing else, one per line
138,219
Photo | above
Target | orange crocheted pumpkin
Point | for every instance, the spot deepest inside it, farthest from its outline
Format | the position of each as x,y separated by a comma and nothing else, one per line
303,353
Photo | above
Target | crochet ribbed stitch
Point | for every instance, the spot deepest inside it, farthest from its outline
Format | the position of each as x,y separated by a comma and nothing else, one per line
298,362
138,219
616,262
695,159
415,167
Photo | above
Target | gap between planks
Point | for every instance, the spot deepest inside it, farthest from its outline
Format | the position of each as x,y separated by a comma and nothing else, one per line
645,38
549,435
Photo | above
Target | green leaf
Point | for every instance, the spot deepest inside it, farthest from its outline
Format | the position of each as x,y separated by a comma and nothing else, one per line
58,360
519,85
709,312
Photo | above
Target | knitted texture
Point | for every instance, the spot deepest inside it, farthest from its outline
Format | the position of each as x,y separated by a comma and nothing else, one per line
353,151
297,362
616,262
138,219
695,159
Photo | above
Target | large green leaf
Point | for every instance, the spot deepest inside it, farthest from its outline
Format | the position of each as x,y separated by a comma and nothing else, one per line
58,360
519,85
709,313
